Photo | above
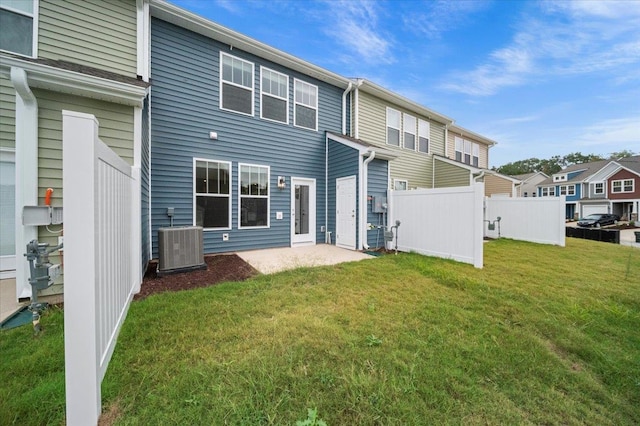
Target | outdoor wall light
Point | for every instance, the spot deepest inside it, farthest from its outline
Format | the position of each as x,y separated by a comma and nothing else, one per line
282,183
213,135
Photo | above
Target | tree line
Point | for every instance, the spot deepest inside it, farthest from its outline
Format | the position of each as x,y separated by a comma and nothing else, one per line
556,163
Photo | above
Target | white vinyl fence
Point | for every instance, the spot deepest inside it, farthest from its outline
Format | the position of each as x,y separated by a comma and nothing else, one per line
539,220
444,222
101,272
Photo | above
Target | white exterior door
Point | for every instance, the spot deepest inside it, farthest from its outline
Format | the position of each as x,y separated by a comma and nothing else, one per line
303,211
7,214
346,212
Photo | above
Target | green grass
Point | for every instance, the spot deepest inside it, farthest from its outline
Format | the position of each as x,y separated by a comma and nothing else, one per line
541,335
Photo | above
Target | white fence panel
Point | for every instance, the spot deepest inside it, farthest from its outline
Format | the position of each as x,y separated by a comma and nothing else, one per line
539,220
444,222
101,272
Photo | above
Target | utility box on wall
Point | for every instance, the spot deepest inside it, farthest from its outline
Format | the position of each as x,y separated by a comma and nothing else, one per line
378,204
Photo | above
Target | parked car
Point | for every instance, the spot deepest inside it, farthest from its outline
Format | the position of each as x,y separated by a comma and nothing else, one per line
597,220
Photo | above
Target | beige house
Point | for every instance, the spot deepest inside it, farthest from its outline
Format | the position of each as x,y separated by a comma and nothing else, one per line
528,188
87,56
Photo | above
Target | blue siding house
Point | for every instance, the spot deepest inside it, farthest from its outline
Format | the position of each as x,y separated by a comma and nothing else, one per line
238,137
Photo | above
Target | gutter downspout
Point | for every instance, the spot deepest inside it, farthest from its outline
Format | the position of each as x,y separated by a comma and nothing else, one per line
344,108
484,205
26,109
326,180
363,200
356,112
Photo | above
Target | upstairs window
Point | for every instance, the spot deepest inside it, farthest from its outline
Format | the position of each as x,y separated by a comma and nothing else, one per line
598,188
567,190
400,184
212,183
274,89
548,191
18,20
475,159
459,148
254,196
393,127
618,186
467,152
409,132
305,113
423,135
237,84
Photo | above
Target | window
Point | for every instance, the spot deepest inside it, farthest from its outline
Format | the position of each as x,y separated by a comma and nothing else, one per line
409,132
237,84
459,148
526,194
305,113
393,127
567,190
625,185
548,191
254,196
7,213
212,183
467,152
476,155
559,178
423,136
400,185
598,188
274,95
19,22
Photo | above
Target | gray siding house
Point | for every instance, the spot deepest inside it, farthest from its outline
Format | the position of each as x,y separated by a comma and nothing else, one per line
238,136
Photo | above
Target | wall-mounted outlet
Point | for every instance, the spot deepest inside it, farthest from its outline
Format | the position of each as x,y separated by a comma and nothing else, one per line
225,237
323,229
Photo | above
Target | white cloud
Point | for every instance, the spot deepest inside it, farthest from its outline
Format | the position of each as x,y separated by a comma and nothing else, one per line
614,134
354,24
441,16
572,38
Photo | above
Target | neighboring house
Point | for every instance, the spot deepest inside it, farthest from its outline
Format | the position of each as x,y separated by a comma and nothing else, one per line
87,56
623,186
247,142
412,132
528,187
499,185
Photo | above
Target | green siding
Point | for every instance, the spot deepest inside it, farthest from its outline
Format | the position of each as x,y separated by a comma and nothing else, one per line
96,33
415,167
116,130
449,175
7,114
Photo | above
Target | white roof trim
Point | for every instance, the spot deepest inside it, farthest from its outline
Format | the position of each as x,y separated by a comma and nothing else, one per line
61,80
464,132
381,153
167,12
471,169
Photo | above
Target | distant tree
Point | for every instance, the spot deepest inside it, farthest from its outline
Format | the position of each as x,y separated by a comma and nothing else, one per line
578,158
621,154
549,166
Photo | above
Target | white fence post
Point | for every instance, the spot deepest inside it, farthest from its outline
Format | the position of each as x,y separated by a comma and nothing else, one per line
101,274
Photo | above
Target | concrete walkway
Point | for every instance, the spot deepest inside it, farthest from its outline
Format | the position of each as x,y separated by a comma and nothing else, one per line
628,238
269,261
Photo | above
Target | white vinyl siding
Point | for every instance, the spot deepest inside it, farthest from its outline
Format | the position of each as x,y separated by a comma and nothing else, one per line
305,111
409,136
236,84
19,23
211,194
274,96
253,196
423,135
393,127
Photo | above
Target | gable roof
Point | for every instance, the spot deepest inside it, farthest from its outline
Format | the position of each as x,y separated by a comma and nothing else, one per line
586,169
631,163
183,18
362,147
465,132
526,176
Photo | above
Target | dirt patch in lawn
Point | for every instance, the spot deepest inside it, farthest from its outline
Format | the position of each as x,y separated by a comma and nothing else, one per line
220,268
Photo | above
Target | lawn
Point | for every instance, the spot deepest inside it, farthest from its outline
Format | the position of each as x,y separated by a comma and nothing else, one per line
541,335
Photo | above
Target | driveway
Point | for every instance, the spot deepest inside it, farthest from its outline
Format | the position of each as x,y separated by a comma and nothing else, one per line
273,260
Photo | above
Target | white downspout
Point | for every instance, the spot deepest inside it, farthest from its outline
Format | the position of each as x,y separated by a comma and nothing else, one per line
363,200
356,112
26,173
344,108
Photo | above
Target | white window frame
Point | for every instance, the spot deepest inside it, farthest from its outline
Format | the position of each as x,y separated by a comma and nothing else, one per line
388,125
241,196
400,181
571,190
459,148
424,131
8,262
197,194
409,129
595,188
242,86
475,154
295,102
467,151
35,23
548,191
285,98
623,186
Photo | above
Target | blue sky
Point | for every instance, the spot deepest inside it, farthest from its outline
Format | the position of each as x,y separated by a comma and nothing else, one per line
541,78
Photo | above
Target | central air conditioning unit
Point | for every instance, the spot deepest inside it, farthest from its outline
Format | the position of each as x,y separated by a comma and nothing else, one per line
180,249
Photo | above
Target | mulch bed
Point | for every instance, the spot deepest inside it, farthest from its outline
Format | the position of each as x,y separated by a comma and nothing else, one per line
220,268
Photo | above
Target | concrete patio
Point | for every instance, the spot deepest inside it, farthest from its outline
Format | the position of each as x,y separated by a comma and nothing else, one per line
268,261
